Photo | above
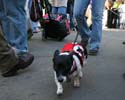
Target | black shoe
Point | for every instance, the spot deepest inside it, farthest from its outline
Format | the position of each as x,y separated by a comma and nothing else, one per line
93,52
123,75
84,42
23,62
123,42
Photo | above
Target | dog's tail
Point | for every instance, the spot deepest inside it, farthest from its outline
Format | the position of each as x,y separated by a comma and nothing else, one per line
56,53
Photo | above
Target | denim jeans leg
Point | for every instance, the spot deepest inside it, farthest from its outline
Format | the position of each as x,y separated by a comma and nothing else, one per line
62,10
8,58
54,10
71,16
14,24
34,25
80,7
96,33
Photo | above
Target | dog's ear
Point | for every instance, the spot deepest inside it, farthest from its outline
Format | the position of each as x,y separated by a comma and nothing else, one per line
71,55
56,53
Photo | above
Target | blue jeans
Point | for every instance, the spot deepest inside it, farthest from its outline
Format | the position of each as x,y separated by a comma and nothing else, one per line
71,17
95,35
13,19
59,10
34,25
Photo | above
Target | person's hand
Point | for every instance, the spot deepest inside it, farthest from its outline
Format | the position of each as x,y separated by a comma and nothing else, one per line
108,4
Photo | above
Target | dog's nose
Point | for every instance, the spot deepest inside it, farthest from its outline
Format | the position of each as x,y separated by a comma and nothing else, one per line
60,79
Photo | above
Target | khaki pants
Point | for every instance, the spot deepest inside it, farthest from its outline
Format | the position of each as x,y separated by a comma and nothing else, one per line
8,57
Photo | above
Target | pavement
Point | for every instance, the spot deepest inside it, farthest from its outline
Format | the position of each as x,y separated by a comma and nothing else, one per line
102,78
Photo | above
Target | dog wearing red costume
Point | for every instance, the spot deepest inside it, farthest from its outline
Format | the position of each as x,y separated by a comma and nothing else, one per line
68,64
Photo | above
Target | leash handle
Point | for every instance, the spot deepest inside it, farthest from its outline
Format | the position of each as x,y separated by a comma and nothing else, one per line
114,12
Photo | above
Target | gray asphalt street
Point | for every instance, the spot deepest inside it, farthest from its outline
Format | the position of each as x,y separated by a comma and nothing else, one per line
102,75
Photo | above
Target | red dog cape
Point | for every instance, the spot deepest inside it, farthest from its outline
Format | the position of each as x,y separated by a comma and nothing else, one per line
73,47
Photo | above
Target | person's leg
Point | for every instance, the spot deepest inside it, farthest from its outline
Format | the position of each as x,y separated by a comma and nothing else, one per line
10,62
116,18
118,24
80,7
54,10
62,10
71,6
96,33
14,24
109,19
34,25
8,58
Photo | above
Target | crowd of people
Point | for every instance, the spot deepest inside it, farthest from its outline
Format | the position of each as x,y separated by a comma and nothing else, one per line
115,14
14,53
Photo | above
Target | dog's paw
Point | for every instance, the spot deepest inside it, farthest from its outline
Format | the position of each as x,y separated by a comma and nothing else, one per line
59,91
80,74
76,83
85,62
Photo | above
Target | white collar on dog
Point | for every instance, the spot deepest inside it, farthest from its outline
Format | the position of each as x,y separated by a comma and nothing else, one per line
64,53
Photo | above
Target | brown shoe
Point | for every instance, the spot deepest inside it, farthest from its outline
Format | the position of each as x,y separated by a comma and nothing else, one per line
23,62
93,52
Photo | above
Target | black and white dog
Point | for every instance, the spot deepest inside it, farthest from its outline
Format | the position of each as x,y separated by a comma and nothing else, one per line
68,64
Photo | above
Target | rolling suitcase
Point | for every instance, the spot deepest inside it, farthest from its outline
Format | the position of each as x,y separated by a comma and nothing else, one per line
56,26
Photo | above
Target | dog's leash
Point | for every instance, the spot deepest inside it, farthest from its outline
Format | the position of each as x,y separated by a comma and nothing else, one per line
74,42
76,35
113,12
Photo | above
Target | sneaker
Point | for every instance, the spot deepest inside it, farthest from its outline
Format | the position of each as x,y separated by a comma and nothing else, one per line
36,30
73,29
93,52
23,62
